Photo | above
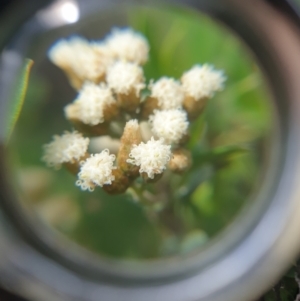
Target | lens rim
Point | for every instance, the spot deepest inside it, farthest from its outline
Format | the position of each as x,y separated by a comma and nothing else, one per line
256,28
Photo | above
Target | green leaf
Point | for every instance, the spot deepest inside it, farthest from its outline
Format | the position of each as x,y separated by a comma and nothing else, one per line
202,197
218,155
197,131
18,99
228,151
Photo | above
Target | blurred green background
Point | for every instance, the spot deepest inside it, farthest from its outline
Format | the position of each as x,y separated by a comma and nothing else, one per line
229,142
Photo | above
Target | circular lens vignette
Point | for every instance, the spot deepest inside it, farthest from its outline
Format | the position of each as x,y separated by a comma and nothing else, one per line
149,170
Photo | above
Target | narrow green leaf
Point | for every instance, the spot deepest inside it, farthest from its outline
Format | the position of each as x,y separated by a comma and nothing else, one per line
18,99
218,155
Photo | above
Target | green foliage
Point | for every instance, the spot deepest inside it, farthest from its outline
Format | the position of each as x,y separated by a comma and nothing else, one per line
16,105
287,288
123,229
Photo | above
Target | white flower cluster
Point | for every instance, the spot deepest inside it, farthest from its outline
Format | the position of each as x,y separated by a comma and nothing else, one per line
101,69
152,157
90,104
202,81
89,61
96,171
65,148
109,79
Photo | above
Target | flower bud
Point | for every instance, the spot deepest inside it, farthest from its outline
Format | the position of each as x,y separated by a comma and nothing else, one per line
200,83
126,80
120,184
90,130
194,107
155,178
131,136
129,102
74,166
148,107
180,161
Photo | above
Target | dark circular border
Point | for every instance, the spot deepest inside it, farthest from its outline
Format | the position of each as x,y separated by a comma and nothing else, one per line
246,268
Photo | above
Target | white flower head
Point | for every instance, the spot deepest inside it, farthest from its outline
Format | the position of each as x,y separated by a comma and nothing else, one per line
168,92
171,125
92,64
152,157
89,61
96,171
124,77
90,104
126,44
202,81
64,51
65,148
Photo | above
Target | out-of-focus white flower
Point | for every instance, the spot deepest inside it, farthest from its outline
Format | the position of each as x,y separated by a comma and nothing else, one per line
96,171
65,148
72,111
152,156
64,52
126,44
171,125
202,81
92,64
89,106
181,160
124,78
88,61
168,92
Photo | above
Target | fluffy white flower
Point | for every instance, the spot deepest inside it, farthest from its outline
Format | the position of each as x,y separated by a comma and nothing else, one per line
92,64
202,81
168,92
90,104
124,77
96,171
129,45
63,52
65,148
152,156
171,125
89,61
